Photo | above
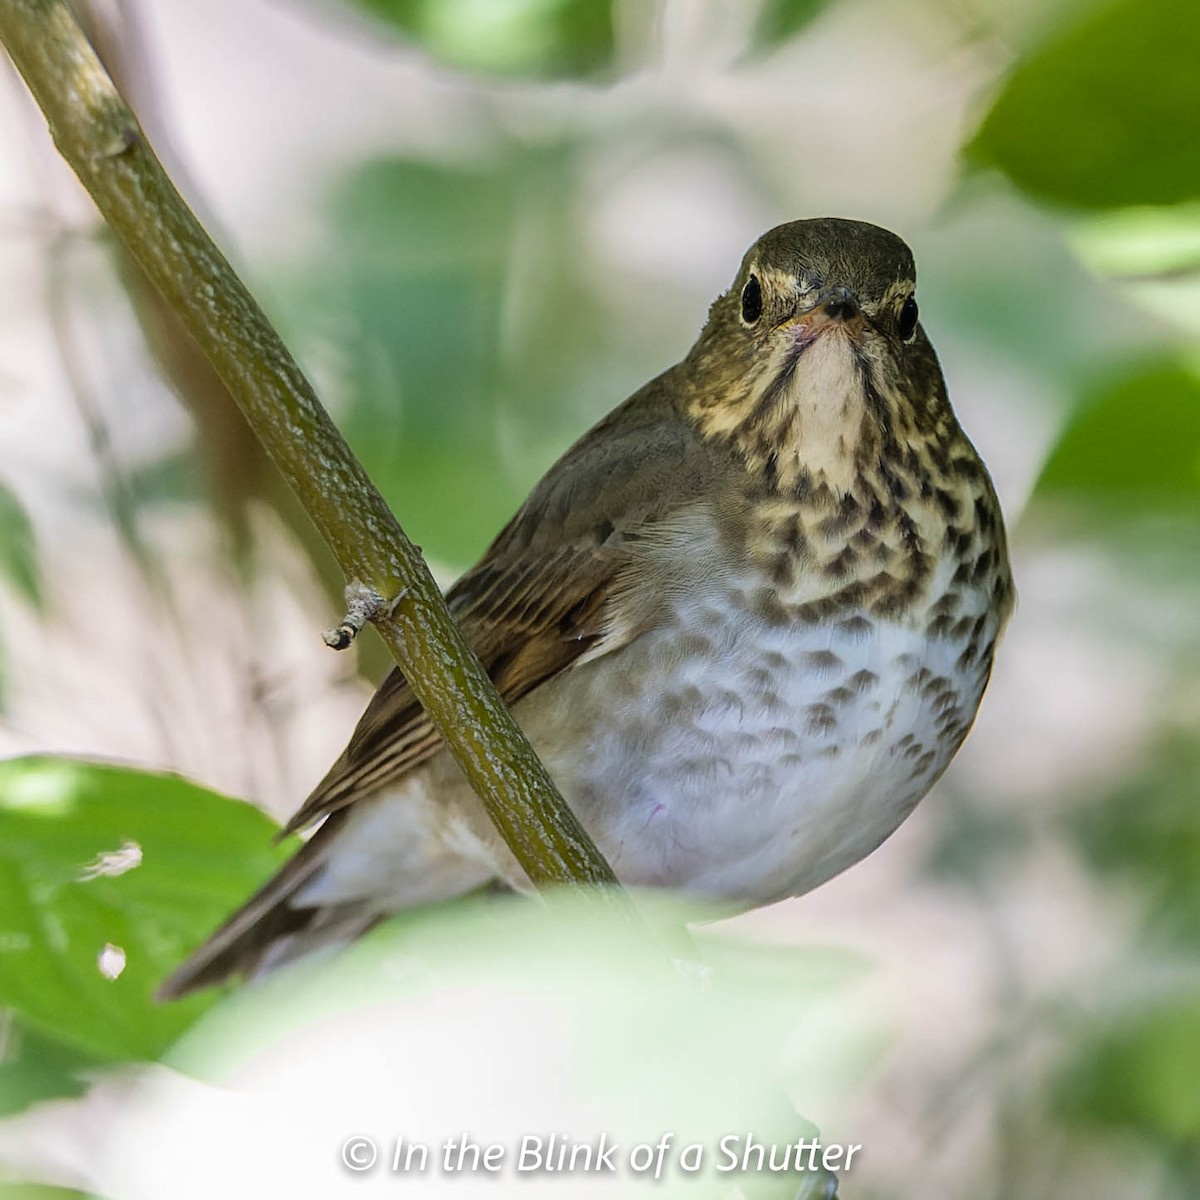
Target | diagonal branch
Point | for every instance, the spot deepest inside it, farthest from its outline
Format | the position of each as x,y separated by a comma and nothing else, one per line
99,136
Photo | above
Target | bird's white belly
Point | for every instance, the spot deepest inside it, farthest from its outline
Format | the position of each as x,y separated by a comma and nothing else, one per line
748,761
721,754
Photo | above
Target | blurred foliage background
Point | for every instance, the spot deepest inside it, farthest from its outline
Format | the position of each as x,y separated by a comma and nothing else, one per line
482,223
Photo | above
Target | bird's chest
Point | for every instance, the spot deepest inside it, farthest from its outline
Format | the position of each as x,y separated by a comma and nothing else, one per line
749,755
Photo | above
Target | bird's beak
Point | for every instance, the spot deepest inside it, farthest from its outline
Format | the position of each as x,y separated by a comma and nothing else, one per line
834,307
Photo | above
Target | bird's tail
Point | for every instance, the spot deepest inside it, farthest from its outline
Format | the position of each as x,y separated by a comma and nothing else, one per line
270,930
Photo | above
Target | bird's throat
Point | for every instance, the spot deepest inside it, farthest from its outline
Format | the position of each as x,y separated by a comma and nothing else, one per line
803,419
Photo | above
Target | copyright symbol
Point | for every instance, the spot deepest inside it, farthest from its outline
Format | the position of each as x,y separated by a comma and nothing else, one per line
359,1153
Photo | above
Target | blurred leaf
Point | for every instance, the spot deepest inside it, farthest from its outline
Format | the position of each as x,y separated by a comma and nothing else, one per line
1141,241
450,294
1148,831
66,829
538,38
171,479
18,560
1136,441
417,282
34,1067
37,1191
1143,1073
1105,114
779,20
975,843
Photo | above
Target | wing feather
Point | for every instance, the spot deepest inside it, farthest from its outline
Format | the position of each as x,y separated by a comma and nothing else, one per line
542,595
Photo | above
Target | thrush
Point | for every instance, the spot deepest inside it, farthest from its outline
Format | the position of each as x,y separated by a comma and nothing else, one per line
746,621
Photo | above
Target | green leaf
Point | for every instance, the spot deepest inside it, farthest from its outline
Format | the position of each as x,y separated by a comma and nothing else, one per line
1146,832
536,38
416,280
67,829
1142,1073
780,20
1105,114
1136,442
34,1067
18,561
37,1191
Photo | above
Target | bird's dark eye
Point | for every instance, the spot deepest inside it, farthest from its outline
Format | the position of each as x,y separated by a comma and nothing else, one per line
908,319
751,300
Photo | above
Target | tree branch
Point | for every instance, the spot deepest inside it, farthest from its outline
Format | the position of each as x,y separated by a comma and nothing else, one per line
99,136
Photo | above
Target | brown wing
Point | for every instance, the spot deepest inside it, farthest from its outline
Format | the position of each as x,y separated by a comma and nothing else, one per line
542,596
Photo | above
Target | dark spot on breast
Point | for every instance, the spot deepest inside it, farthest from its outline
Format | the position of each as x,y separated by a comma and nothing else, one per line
822,496
863,681
959,541
822,661
983,566
872,738
855,627
934,685
759,678
838,696
821,720
768,606
948,504
939,627
947,721
947,605
802,486
843,564
926,761
834,525
795,537
897,488
783,570
985,518
962,627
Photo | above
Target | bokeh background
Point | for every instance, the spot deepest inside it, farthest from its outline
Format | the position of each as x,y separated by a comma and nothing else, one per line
482,223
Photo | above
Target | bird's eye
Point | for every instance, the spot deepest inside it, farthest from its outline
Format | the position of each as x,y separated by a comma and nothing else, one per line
908,319
751,300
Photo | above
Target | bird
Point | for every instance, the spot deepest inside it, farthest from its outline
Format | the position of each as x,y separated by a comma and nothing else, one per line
746,621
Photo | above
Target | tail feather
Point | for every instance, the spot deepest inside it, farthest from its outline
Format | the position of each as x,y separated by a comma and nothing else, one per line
261,933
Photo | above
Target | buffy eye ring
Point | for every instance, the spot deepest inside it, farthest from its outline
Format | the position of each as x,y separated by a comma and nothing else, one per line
752,301
907,322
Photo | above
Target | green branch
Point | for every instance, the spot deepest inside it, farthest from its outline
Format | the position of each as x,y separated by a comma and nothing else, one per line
99,136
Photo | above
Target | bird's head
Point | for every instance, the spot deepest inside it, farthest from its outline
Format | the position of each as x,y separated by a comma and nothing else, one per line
815,357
